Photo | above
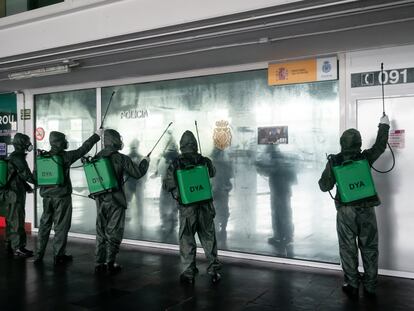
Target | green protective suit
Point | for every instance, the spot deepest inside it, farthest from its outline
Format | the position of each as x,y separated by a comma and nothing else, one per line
198,218
356,222
57,200
110,218
19,175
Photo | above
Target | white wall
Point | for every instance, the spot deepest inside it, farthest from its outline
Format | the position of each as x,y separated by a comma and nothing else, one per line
370,60
77,21
395,215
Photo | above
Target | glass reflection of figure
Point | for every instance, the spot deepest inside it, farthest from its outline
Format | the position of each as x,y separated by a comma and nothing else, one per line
135,187
282,176
222,186
168,205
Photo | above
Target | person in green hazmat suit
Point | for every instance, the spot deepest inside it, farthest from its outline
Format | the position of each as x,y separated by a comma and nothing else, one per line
197,218
111,206
357,221
57,200
19,175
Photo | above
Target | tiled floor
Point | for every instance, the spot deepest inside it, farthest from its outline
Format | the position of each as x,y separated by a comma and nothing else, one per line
149,281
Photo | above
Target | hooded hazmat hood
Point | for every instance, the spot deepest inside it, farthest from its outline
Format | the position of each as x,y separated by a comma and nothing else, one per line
188,143
351,142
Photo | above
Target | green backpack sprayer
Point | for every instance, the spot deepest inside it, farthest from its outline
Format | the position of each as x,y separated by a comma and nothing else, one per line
49,169
194,182
3,173
99,172
3,184
354,180
100,175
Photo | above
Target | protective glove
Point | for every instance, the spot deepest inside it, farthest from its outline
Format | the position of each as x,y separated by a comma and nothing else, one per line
99,132
384,120
148,159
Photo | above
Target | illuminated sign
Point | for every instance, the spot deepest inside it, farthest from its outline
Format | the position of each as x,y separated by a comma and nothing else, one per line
303,71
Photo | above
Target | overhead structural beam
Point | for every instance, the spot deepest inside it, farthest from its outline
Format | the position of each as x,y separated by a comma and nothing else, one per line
183,29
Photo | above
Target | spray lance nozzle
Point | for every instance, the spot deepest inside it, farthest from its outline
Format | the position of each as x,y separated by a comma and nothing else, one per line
149,154
382,87
106,111
198,137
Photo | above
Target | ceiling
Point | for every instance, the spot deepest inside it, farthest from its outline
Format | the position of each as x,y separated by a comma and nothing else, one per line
289,31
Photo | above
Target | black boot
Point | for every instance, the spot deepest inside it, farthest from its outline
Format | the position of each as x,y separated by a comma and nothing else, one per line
23,253
351,291
215,277
26,251
113,267
187,279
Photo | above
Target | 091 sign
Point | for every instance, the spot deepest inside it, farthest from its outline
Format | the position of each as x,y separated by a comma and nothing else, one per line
393,76
374,78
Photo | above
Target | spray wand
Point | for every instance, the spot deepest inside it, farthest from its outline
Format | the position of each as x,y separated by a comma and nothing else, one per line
149,154
106,111
382,87
198,137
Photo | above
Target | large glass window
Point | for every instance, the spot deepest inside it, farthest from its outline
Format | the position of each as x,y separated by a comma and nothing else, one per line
267,197
74,114
268,145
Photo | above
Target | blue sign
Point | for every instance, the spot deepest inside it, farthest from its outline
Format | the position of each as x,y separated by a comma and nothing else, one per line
3,149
